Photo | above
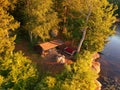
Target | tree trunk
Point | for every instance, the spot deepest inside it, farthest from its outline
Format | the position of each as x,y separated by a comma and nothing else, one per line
84,32
31,37
81,41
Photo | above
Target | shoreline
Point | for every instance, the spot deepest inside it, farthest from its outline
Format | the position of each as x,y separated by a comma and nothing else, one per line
109,83
107,77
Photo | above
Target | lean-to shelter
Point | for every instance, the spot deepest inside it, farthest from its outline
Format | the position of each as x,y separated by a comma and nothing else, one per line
43,47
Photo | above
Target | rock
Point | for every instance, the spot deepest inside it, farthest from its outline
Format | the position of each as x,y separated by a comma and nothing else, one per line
96,56
96,66
109,84
98,84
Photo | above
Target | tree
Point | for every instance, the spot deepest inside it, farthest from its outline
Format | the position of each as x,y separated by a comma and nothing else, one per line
39,18
79,76
7,26
47,83
85,28
17,72
99,25
116,2
69,17
89,23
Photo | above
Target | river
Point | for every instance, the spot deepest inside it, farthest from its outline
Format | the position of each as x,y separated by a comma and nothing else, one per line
110,59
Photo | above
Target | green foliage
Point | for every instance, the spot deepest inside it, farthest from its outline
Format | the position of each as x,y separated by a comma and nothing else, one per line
78,76
18,72
99,24
48,83
67,13
40,18
116,2
8,4
1,80
7,26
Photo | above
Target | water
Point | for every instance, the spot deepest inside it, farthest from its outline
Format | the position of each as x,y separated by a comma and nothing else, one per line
110,60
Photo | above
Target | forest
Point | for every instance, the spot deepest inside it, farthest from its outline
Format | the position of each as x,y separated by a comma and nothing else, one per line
86,23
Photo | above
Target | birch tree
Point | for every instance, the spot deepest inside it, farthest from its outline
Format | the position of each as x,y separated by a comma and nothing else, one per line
99,25
88,23
89,6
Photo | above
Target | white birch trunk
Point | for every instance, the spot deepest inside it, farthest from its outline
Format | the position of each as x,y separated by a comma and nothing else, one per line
84,32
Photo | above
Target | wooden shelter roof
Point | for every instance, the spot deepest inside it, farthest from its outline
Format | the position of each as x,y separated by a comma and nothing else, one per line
49,45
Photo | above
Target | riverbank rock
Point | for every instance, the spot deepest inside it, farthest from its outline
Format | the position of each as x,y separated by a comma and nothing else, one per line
96,56
98,84
96,66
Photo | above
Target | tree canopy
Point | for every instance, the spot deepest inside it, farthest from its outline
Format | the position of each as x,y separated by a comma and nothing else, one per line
98,26
7,25
87,23
39,18
17,72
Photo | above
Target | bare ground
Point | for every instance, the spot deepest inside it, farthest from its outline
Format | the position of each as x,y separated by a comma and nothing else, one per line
44,64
